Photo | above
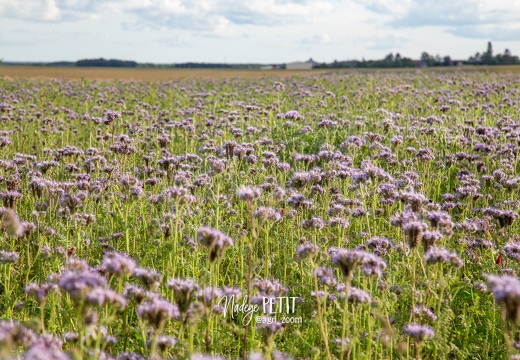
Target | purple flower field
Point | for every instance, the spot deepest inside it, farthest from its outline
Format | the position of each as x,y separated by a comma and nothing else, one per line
339,216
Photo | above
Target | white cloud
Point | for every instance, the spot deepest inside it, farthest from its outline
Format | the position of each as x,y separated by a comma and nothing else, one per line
387,7
254,30
492,32
386,42
492,19
215,16
220,17
459,13
176,39
317,39
46,10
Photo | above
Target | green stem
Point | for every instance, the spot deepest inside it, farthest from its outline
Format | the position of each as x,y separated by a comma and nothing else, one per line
348,280
320,313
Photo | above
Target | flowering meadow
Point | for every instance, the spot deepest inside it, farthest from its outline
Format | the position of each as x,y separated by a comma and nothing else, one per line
339,216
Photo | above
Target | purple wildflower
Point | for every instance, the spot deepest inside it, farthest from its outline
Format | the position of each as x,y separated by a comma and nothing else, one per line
150,278
305,251
435,255
157,310
419,332
347,260
506,290
118,264
183,290
8,257
215,240
249,194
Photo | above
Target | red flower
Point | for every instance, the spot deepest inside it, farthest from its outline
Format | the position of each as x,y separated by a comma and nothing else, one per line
71,251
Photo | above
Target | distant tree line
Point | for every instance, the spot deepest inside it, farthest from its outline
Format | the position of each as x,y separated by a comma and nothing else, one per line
106,63
487,58
192,65
389,61
133,64
85,62
397,61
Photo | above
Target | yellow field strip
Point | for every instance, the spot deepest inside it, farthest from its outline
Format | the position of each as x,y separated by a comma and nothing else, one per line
96,73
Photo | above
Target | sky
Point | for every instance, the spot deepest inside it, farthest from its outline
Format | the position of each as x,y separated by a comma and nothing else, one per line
253,31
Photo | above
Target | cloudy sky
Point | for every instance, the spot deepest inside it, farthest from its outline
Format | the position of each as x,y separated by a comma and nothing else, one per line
259,31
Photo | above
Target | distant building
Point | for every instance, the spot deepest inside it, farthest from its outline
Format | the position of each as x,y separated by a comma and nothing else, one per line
419,63
271,67
301,65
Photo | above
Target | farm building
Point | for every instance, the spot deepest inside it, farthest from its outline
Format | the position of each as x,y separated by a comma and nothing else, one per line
301,65
270,67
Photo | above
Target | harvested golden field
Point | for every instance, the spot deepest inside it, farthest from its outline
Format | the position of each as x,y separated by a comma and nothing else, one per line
175,74
143,73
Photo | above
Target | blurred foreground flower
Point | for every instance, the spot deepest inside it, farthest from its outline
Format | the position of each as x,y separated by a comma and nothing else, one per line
506,290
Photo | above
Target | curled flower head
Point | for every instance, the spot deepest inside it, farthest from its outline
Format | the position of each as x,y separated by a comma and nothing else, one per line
506,217
429,238
419,332
132,292
439,218
11,223
314,222
157,310
506,290
183,289
278,193
101,296
209,295
118,264
10,198
425,312
306,251
293,114
338,222
150,278
267,214
78,283
414,231
373,265
512,250
164,342
326,276
342,344
269,328
380,245
215,240
416,200
440,255
347,260
14,333
249,194
44,351
40,292
356,295
8,257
